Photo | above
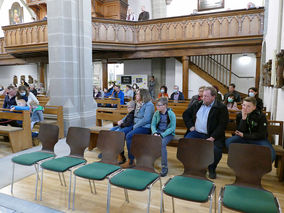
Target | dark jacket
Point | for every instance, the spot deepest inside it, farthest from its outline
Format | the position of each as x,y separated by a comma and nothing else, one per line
217,120
259,104
8,102
128,120
180,96
143,16
193,100
254,127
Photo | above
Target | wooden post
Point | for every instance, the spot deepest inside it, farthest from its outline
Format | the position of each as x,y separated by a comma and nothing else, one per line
104,74
185,60
42,73
257,71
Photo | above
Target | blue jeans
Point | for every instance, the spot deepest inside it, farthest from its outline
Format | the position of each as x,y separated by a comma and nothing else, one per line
165,141
139,130
217,150
263,142
122,129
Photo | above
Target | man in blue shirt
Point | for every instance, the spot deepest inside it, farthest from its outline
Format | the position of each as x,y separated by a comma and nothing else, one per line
118,94
207,119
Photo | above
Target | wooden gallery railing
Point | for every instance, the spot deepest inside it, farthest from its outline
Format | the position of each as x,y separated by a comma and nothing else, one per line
222,25
31,35
2,44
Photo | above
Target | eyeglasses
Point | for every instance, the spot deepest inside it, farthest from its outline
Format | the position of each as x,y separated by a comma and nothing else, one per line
159,105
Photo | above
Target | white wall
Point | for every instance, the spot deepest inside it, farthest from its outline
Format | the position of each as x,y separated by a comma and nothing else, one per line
185,7
4,14
136,7
7,73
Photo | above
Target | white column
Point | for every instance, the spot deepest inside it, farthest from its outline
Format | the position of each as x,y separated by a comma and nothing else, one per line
70,60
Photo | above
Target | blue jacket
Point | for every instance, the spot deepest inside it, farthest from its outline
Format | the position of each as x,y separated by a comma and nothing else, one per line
144,116
120,95
21,107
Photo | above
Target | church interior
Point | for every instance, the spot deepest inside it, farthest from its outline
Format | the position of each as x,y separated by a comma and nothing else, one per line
80,64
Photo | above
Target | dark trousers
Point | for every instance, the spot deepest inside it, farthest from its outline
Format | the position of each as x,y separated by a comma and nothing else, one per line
217,150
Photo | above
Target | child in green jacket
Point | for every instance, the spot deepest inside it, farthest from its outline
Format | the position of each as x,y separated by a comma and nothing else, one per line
164,125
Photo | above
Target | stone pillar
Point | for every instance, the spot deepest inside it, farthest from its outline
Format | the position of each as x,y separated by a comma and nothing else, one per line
104,74
70,60
159,9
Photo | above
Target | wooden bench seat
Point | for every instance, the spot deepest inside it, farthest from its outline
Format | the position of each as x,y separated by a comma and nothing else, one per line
20,138
94,136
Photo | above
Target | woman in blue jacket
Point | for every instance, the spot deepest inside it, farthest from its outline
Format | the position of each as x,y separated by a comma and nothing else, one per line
164,125
143,114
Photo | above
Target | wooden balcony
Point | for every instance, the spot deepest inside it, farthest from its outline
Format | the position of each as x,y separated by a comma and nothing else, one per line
216,33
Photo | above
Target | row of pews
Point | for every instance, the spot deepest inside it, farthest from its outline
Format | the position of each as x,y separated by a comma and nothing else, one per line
275,128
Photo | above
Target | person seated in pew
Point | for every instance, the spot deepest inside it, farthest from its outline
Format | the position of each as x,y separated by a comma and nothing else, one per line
118,94
163,92
143,114
253,92
135,88
207,119
21,105
128,92
37,113
231,103
219,96
198,97
232,90
251,127
125,125
23,93
97,93
109,92
164,125
177,95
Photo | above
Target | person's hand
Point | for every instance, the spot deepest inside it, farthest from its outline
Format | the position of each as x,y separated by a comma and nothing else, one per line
211,139
244,114
192,128
12,109
119,122
239,133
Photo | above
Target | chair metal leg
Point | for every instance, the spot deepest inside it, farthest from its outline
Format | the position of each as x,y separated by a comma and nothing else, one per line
95,190
220,201
12,184
210,205
126,195
149,200
91,188
162,203
41,180
70,182
173,203
37,177
108,195
74,188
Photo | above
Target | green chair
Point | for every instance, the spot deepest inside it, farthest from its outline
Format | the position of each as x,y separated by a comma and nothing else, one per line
146,149
196,155
111,143
249,162
78,140
48,135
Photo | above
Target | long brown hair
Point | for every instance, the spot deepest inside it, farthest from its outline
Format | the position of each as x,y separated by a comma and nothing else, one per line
145,95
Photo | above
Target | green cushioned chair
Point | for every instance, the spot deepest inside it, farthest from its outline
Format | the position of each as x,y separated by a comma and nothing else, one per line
247,194
78,140
48,135
193,184
111,143
146,149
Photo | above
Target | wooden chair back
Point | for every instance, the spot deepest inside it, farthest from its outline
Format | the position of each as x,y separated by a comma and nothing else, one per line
78,140
196,155
146,149
249,162
275,128
111,143
48,135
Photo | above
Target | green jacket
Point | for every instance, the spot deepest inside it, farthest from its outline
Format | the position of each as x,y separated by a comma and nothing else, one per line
171,126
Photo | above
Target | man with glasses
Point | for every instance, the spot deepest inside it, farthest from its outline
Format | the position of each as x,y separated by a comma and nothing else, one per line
207,119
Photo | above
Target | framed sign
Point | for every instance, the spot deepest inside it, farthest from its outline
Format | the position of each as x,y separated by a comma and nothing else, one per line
210,4
126,80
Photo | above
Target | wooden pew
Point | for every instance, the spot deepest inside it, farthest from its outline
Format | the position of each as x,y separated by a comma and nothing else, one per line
43,100
94,136
276,128
104,101
54,115
110,114
20,137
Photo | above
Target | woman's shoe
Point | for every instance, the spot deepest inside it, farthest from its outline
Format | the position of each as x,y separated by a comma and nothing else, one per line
164,171
121,159
128,164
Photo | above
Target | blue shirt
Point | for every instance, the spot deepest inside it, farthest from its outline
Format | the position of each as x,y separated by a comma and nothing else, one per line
163,124
202,118
119,95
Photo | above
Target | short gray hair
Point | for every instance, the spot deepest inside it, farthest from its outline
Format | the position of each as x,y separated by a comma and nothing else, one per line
213,91
176,86
163,101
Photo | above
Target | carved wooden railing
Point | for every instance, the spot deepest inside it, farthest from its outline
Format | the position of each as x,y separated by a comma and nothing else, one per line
28,34
2,44
222,25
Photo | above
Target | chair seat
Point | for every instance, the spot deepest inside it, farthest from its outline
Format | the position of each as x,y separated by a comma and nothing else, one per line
96,171
62,164
134,179
248,199
188,188
31,158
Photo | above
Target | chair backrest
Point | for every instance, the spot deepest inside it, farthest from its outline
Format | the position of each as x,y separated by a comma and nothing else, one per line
146,149
249,162
111,143
196,155
78,139
48,135
275,128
